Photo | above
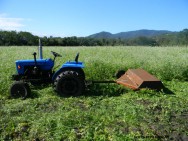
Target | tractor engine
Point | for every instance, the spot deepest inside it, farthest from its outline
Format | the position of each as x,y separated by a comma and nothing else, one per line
36,71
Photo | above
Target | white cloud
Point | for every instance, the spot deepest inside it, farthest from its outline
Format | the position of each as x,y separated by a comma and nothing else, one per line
8,23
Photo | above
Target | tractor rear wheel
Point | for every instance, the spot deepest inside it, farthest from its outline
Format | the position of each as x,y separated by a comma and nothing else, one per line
69,83
20,90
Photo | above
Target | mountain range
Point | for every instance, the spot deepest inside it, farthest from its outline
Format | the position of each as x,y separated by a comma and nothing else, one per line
130,34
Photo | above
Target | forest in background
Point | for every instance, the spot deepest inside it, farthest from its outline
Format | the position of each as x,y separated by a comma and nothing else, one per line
14,38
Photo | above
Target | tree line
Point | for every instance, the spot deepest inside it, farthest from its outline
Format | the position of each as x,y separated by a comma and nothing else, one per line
13,38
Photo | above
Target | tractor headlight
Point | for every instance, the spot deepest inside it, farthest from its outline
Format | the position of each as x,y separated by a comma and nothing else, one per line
19,67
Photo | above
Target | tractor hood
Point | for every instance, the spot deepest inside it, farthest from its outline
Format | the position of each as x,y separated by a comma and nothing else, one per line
43,64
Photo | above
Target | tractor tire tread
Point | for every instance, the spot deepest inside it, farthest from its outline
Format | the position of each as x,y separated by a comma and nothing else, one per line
74,76
15,87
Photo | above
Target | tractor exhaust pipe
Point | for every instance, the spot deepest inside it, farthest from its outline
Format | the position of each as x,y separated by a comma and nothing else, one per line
40,50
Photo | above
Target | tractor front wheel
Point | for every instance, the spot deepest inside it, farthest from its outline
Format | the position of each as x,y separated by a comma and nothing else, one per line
69,83
20,90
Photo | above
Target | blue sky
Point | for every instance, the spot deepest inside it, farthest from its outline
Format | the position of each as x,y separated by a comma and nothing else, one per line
84,17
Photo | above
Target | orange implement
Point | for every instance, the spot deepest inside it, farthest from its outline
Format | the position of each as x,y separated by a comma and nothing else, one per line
139,78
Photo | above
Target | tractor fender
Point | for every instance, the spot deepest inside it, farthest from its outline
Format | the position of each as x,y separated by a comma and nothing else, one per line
77,69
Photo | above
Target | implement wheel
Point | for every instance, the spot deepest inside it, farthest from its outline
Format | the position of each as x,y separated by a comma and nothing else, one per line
69,83
20,90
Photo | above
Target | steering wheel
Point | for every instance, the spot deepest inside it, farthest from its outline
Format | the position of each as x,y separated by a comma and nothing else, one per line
56,54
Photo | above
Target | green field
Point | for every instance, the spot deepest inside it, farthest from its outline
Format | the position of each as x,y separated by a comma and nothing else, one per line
106,111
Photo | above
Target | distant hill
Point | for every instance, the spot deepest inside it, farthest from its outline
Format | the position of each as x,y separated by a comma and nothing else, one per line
130,34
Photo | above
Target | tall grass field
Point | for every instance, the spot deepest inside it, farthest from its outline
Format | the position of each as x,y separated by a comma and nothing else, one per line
108,112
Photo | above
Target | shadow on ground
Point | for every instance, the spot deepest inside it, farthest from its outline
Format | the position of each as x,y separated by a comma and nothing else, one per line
110,90
167,91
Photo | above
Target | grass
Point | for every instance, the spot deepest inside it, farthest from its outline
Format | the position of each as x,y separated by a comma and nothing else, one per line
104,112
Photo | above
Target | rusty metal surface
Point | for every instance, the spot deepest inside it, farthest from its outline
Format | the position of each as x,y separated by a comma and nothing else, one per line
126,81
139,78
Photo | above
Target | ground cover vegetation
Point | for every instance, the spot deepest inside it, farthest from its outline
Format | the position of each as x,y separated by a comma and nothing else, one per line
103,112
9,38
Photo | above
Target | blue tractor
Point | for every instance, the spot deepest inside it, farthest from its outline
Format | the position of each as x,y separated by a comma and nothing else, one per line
69,80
